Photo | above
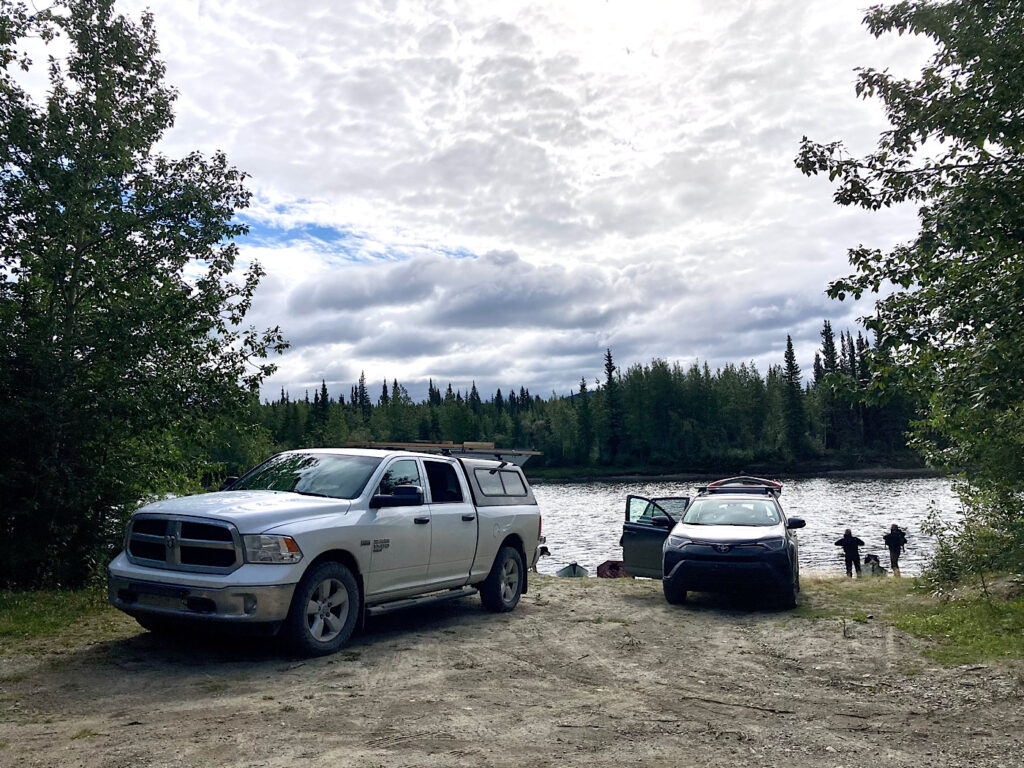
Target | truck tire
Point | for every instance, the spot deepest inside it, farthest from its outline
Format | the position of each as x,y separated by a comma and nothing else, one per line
324,611
674,594
501,589
160,626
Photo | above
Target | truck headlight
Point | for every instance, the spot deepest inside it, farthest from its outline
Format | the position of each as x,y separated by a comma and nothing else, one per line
260,548
776,542
678,542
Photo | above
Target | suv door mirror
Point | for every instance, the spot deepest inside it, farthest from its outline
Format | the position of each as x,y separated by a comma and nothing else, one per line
662,522
403,496
795,522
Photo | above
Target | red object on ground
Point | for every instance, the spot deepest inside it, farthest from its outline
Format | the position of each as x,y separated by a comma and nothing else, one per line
611,569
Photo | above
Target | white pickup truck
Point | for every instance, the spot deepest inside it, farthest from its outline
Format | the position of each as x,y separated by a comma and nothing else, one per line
309,542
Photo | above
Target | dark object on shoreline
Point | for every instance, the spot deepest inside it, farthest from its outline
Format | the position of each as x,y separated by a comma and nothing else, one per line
611,569
572,571
873,566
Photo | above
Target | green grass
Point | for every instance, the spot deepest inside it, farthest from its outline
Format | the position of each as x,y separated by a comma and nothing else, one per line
966,630
85,733
29,615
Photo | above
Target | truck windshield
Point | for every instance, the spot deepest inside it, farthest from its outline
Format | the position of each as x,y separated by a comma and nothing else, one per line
731,512
312,474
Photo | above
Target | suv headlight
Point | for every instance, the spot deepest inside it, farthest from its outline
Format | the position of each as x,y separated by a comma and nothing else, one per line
776,542
260,548
678,542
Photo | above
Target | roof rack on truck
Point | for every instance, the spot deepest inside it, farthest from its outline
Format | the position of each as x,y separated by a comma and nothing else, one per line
447,448
743,484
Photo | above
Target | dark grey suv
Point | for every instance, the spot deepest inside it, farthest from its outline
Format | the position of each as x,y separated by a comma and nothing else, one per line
733,536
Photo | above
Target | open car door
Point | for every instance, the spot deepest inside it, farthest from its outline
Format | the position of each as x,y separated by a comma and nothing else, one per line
645,529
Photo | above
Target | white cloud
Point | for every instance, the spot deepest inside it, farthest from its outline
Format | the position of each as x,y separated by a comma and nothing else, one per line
623,172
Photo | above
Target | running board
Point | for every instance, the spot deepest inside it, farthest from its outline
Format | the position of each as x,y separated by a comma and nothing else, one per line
437,597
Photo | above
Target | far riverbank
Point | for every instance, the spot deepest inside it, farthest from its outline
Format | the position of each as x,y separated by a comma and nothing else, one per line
597,475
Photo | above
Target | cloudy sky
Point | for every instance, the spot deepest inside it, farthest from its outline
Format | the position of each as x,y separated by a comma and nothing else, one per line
498,191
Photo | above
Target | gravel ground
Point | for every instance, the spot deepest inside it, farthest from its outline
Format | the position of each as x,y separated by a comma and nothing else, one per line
584,672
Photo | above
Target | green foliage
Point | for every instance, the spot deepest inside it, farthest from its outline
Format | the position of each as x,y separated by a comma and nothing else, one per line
666,417
121,312
948,322
26,615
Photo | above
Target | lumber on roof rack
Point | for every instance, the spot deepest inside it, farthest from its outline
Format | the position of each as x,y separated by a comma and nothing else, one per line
448,448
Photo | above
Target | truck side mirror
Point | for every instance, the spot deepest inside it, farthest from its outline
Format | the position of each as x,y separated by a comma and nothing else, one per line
403,496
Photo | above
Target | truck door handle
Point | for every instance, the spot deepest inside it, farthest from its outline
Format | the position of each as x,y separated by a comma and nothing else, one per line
421,520
469,518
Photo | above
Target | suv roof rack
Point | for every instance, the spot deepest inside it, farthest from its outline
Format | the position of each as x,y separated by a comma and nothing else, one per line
448,448
743,484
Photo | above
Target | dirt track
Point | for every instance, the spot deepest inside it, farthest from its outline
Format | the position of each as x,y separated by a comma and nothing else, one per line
585,672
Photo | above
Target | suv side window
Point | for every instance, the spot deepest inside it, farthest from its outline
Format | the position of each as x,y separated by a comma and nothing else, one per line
401,472
444,483
643,510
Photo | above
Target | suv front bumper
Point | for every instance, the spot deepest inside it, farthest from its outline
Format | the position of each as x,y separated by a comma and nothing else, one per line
236,604
702,571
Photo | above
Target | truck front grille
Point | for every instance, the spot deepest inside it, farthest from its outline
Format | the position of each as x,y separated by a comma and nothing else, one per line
184,544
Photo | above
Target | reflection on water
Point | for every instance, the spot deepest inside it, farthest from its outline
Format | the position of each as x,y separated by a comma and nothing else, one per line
583,521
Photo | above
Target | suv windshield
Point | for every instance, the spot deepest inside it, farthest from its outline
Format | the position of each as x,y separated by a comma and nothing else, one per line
313,474
732,512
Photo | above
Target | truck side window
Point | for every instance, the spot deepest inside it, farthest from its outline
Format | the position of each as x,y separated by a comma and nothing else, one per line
489,482
513,484
401,472
444,483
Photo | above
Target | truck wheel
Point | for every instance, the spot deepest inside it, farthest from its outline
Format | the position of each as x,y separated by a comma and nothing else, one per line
324,610
159,626
674,594
504,584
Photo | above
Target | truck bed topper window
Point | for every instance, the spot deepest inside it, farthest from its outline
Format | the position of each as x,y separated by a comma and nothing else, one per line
506,482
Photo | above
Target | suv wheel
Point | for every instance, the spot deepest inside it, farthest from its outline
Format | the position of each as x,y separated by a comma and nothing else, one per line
501,589
674,593
324,610
787,595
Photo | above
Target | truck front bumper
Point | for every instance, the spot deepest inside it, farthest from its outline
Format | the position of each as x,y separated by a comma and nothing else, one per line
235,604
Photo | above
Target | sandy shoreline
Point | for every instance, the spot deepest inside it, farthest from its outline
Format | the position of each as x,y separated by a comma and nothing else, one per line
587,672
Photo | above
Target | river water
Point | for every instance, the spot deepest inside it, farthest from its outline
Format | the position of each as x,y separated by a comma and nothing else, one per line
583,521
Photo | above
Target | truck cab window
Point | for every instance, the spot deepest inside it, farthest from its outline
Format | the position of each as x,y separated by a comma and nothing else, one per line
444,483
402,472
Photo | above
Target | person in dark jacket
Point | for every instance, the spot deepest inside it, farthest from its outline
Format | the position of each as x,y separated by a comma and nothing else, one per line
896,541
851,549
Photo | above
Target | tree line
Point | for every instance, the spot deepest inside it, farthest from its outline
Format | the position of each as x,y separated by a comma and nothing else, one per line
655,416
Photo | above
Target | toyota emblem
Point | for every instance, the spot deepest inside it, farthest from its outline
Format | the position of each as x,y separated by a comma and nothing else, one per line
722,547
